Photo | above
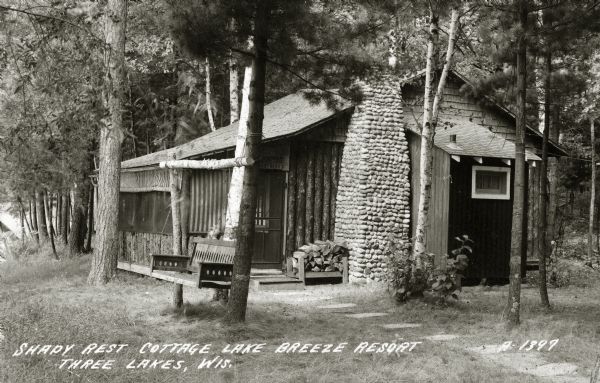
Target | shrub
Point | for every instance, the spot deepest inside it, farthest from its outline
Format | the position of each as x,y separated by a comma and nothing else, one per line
404,282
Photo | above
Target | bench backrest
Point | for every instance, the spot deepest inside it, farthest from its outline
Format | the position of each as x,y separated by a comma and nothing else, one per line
208,250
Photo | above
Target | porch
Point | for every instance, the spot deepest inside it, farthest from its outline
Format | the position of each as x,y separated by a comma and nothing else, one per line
264,279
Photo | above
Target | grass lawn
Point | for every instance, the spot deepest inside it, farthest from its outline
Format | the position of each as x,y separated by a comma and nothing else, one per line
48,302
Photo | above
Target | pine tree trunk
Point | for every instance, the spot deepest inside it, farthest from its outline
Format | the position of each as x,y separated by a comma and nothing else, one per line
33,217
90,220
234,196
234,108
512,312
78,229
236,309
211,120
41,216
48,209
553,179
65,217
592,193
427,136
543,202
176,219
59,222
106,247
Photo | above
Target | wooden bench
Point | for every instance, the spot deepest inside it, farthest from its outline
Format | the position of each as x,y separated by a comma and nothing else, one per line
311,275
212,259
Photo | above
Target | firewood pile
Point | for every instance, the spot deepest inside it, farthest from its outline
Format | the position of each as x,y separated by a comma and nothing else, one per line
321,256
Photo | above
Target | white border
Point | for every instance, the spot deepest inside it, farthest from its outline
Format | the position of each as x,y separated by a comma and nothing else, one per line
475,195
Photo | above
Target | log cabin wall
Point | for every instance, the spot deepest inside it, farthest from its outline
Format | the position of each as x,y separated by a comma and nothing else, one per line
314,169
312,189
437,240
373,199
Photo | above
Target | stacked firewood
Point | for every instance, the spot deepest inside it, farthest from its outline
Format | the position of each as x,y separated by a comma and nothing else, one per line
321,256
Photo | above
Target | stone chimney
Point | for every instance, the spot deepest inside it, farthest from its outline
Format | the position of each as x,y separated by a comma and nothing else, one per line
373,200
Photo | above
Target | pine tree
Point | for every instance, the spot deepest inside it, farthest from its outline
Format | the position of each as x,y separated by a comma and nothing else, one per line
111,136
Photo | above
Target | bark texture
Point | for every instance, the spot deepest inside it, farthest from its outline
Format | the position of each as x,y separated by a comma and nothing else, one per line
236,308
234,196
64,213
90,220
208,96
78,226
48,210
512,311
104,262
176,219
592,193
234,102
41,216
543,203
431,113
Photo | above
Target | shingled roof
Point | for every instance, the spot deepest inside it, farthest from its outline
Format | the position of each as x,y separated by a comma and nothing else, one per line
288,116
475,141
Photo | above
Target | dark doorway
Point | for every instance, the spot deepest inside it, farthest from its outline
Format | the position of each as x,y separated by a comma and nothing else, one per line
268,245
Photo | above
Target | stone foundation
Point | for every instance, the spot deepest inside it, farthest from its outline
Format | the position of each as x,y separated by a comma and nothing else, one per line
373,199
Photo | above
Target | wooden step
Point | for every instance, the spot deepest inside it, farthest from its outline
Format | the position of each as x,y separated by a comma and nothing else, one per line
276,282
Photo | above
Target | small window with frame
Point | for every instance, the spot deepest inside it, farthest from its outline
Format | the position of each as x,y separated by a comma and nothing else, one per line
490,182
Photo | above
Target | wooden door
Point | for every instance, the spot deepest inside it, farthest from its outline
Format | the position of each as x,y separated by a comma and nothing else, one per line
268,245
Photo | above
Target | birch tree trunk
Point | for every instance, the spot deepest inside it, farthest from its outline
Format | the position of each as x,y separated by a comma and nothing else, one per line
234,196
543,203
41,216
176,219
234,108
512,311
106,248
244,249
592,193
431,114
211,121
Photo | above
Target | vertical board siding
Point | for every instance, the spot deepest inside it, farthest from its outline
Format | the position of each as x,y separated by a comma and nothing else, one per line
436,235
312,189
486,221
208,196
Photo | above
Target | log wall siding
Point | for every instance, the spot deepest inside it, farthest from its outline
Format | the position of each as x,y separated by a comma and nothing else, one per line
137,247
312,180
373,197
437,230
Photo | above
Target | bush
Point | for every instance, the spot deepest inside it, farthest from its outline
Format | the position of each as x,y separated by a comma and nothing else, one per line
404,282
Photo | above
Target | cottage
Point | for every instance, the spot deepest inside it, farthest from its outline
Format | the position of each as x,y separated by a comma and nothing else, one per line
350,174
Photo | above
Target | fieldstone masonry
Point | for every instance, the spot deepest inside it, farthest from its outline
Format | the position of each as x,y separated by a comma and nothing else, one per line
373,199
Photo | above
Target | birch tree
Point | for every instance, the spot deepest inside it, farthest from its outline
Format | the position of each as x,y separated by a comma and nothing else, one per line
431,109
106,247
234,196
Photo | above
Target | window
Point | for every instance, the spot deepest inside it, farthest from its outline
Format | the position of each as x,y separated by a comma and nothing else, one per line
490,182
